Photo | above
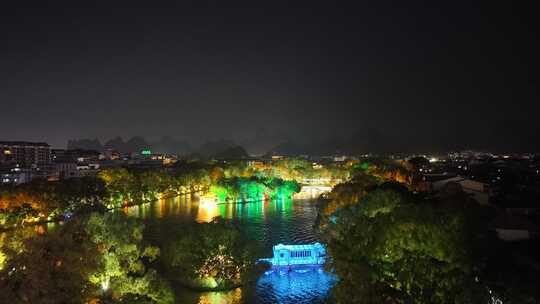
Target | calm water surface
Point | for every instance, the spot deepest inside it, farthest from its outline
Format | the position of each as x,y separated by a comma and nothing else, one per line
288,221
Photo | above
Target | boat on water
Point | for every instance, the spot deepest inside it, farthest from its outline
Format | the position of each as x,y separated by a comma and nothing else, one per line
294,257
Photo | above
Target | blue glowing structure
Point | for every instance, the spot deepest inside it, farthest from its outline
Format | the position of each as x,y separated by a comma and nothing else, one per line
297,255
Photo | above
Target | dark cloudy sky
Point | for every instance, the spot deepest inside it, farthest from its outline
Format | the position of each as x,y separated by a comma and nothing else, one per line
422,75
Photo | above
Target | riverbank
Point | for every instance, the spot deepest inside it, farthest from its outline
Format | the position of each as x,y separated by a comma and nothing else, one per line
92,208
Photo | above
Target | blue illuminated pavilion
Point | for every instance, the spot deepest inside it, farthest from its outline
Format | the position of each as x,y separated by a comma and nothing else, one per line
297,255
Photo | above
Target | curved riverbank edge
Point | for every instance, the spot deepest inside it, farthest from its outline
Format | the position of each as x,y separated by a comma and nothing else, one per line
60,220
195,288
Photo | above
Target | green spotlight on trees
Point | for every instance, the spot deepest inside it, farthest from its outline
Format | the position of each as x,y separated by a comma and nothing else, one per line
146,152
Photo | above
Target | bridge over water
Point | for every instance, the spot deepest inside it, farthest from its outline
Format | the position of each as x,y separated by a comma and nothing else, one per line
312,191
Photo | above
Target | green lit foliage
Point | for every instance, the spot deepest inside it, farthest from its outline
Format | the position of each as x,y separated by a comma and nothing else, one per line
343,195
252,188
388,250
49,268
96,258
239,188
122,271
364,166
211,256
281,188
247,188
298,169
220,191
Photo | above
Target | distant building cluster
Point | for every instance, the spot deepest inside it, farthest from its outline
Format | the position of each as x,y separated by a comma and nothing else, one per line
26,154
510,183
22,162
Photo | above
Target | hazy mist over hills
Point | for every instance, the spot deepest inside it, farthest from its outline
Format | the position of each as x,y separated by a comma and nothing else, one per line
362,140
137,143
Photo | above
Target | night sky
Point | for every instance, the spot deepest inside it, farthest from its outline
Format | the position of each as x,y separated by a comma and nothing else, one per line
415,77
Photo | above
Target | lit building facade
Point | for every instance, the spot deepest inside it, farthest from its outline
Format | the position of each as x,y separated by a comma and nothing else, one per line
15,175
25,154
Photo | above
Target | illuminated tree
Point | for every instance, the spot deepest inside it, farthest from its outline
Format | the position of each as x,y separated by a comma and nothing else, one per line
150,185
216,174
343,195
385,169
122,271
252,188
281,188
49,268
211,256
120,184
388,250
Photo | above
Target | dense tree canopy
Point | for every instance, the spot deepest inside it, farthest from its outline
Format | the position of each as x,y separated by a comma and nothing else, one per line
101,258
122,270
48,268
41,200
211,256
387,249
345,194
252,188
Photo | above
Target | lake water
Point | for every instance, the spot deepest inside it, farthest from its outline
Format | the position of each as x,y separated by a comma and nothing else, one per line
288,221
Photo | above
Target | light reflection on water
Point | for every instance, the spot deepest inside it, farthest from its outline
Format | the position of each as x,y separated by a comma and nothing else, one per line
288,221
271,222
229,297
310,286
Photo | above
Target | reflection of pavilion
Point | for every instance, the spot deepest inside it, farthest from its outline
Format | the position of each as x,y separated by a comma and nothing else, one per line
301,286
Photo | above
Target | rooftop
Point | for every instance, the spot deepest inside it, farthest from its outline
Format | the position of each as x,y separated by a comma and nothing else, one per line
299,247
23,143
